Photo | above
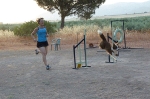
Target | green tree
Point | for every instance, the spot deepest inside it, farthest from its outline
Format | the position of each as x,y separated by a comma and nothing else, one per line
26,28
71,7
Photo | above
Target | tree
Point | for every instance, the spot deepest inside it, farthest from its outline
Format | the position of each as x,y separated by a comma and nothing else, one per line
81,8
86,12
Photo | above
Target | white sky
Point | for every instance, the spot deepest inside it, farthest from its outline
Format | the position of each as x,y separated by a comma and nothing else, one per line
116,1
16,11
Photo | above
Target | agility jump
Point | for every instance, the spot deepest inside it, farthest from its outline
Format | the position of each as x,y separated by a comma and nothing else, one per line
104,44
115,42
74,53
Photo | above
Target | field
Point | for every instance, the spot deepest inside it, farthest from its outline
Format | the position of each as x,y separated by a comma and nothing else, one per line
70,36
23,75
123,16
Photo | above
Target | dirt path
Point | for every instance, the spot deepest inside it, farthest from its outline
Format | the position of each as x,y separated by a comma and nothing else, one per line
23,76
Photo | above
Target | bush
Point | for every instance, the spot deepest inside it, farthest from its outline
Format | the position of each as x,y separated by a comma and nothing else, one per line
26,28
8,27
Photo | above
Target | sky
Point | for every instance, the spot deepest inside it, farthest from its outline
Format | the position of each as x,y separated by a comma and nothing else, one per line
19,11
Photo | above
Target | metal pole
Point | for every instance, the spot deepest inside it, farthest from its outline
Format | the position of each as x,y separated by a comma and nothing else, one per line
85,51
124,35
74,57
112,35
77,38
85,47
108,41
79,50
111,27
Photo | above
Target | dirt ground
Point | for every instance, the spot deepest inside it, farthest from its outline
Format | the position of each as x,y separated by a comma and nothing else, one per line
23,75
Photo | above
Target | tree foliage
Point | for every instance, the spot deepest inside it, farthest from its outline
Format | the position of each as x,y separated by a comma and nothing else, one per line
134,23
26,28
81,8
8,27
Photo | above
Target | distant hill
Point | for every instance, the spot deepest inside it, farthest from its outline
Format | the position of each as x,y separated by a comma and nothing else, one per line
122,8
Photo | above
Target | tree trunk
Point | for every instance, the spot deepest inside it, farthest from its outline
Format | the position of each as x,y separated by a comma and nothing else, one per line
62,22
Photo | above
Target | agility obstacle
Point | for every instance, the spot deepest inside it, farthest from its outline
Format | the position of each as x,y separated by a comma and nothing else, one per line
110,56
124,36
114,39
74,53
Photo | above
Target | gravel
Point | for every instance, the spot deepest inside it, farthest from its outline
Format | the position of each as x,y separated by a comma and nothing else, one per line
24,76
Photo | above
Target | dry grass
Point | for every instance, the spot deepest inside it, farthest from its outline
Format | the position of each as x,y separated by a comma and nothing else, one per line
138,39
11,42
75,34
6,33
70,36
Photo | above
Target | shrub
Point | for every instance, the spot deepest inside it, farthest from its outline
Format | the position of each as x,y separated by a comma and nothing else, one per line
26,28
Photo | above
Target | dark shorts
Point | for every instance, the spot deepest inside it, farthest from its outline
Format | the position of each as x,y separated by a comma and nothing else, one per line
42,44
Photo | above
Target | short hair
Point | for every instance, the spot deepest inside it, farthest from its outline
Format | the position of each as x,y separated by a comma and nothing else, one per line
38,20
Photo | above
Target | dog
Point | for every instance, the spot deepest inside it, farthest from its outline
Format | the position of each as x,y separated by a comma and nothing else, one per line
104,44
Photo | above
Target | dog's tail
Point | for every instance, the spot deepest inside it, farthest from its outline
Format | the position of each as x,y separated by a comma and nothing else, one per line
101,35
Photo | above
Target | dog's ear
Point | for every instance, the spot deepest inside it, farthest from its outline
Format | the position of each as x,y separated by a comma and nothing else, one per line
100,32
102,37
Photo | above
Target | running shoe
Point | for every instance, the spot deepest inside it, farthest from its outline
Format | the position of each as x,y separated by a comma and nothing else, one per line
36,52
48,67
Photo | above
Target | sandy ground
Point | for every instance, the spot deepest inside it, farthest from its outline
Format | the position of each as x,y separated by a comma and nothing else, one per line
23,75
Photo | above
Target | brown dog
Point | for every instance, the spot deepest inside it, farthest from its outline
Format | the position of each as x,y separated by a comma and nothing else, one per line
104,44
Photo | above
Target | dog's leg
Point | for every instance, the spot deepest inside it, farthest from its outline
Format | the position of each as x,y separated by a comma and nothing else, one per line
113,57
